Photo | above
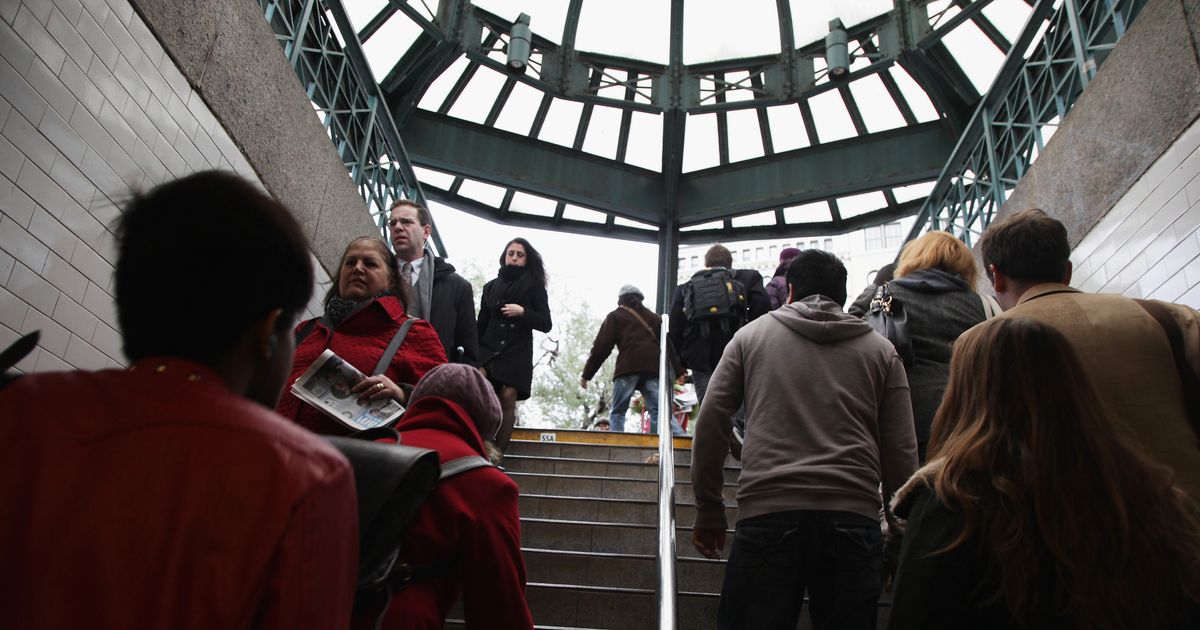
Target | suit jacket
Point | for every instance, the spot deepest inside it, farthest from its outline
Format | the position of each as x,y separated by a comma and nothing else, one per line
156,498
1128,358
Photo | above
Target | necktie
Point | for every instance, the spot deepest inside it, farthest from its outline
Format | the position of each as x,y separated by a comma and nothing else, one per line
406,272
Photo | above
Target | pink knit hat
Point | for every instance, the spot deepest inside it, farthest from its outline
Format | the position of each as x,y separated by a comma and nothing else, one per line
466,386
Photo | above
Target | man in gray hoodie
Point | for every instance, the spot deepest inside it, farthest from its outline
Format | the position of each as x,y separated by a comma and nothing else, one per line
817,450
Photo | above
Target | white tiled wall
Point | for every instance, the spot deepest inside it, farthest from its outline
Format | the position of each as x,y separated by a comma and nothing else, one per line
1148,245
90,108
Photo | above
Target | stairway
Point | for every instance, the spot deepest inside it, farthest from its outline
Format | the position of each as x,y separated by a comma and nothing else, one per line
589,530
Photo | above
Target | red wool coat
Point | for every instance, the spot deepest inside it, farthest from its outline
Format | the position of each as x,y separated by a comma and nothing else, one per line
473,514
155,498
360,340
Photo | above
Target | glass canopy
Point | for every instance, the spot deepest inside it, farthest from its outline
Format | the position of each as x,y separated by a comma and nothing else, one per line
705,120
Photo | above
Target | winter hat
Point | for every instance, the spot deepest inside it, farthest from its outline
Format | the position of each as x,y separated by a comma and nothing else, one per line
788,253
466,386
629,289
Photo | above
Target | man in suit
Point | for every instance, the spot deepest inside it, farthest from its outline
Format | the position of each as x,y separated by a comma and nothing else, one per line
1124,348
439,295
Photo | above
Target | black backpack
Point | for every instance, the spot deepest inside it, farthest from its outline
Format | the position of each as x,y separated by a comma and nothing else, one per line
712,297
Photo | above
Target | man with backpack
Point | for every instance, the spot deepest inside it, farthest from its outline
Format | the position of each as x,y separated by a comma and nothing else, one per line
711,306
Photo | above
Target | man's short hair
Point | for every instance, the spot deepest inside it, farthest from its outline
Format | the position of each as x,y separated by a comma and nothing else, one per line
1029,246
200,260
718,256
814,272
423,216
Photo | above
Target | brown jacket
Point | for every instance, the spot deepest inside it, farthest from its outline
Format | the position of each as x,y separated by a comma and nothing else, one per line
1128,358
637,348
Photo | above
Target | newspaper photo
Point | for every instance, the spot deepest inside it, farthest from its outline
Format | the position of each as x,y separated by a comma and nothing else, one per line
326,385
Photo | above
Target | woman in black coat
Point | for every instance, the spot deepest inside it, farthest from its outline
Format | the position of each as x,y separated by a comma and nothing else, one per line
513,305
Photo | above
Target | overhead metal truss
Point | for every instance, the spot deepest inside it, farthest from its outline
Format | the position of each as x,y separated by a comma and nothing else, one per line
321,47
1028,100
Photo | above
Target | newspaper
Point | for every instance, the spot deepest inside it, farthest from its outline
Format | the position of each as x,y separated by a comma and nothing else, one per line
326,385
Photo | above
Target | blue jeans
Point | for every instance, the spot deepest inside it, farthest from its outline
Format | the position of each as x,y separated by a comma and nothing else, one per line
623,387
835,557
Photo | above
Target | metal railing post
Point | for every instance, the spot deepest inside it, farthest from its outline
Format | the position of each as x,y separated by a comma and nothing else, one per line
666,488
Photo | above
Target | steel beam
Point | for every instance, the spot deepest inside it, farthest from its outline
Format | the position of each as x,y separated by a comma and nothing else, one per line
891,158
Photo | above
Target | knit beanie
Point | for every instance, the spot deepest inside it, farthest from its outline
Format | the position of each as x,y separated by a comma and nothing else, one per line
629,289
788,253
466,386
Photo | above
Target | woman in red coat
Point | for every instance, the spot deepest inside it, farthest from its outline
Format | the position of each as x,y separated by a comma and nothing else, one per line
466,540
363,311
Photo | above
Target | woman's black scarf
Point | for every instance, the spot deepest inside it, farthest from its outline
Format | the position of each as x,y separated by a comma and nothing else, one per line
339,308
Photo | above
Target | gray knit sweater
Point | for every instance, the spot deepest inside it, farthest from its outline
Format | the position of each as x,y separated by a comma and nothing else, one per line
828,417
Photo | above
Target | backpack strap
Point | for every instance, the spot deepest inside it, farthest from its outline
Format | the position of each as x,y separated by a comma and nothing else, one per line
1187,378
462,465
393,347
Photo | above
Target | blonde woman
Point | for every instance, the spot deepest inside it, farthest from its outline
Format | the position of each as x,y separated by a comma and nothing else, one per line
935,285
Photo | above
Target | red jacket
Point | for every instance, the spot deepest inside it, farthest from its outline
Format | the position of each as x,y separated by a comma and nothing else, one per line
155,498
473,514
360,340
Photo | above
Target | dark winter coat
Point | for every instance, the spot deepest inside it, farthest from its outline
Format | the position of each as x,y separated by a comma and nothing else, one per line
940,306
453,313
637,348
506,343
698,352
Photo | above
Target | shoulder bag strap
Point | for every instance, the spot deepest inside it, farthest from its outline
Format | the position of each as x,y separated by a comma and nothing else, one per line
463,464
641,321
1188,379
393,347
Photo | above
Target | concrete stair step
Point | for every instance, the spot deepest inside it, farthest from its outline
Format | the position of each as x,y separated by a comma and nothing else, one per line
607,487
626,570
603,452
642,511
601,537
601,468
606,607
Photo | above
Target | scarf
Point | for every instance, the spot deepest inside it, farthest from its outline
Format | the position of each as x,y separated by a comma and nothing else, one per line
340,308
511,273
422,292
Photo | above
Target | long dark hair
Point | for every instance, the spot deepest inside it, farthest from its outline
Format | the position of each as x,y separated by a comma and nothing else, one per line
533,260
1057,495
396,283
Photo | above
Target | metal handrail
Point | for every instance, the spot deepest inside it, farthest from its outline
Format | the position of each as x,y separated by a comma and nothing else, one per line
666,488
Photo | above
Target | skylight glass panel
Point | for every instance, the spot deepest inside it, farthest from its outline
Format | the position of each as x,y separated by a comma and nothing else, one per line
437,179
745,138
483,193
546,17
389,43
520,110
913,191
717,29
816,212
755,220
604,129
361,11
438,89
633,224
562,120
810,18
830,117
787,128
1009,16
608,27
916,97
975,53
532,204
878,110
855,205
577,213
477,98
700,142
645,141
711,225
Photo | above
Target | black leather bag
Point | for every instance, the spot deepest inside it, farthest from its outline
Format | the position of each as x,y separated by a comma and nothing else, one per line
392,481
886,315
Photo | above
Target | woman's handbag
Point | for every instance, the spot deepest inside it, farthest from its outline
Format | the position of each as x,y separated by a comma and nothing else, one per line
886,315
